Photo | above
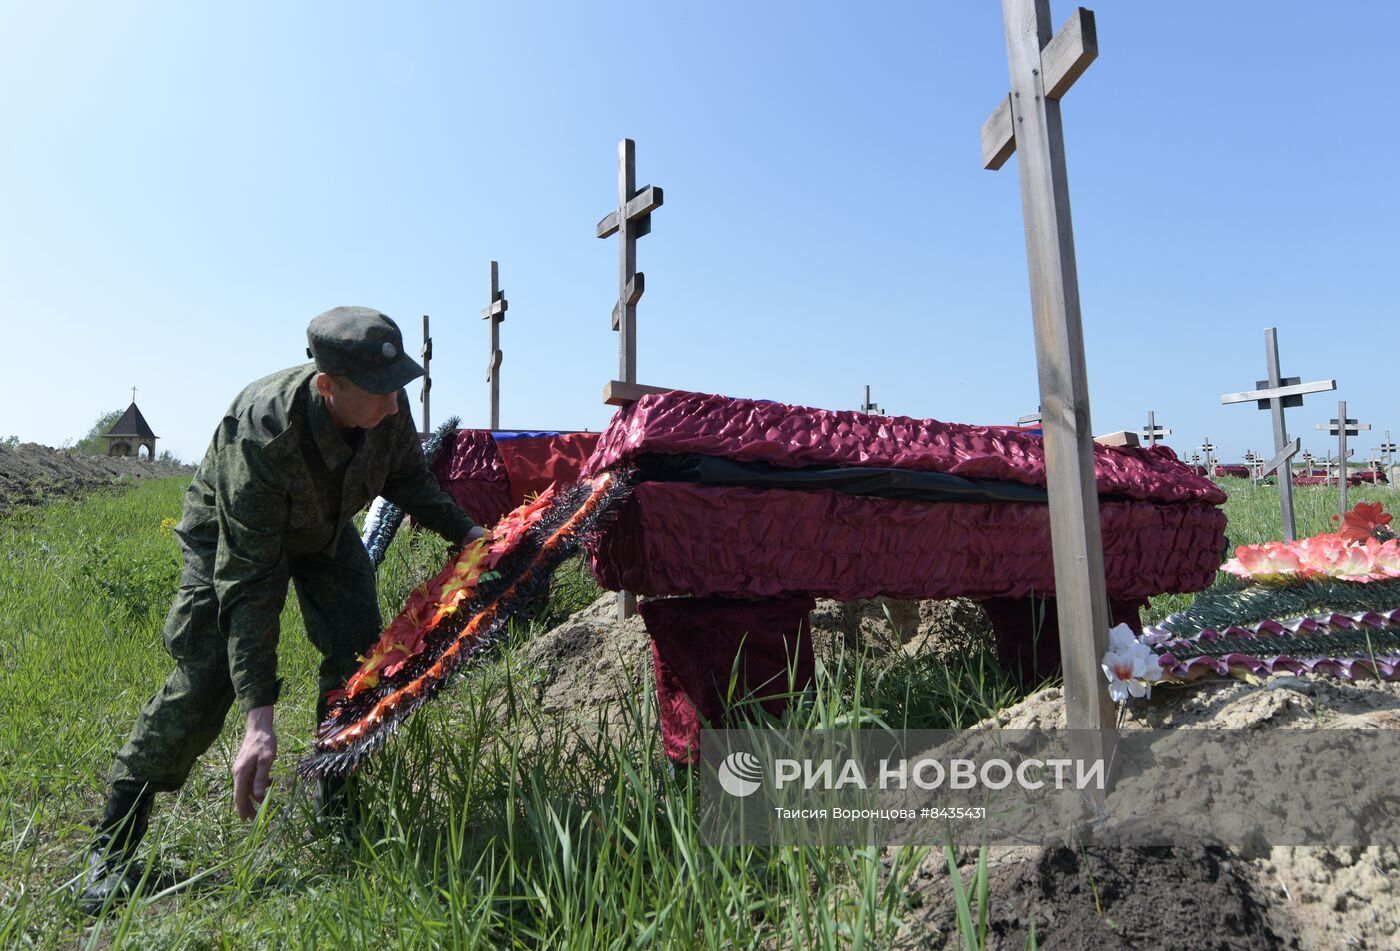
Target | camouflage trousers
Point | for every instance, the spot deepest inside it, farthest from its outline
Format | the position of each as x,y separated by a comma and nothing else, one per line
185,716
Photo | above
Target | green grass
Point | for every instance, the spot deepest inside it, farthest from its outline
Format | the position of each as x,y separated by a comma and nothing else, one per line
497,825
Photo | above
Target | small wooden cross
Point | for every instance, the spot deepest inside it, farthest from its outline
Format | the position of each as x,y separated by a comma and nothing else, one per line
427,354
1341,427
869,407
1275,394
1153,432
631,220
1388,448
1042,68
1208,447
495,312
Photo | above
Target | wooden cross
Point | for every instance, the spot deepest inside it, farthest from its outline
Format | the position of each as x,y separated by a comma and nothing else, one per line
495,312
1275,394
631,220
427,354
1388,448
1042,68
133,394
1153,432
1252,461
1208,447
1341,427
867,406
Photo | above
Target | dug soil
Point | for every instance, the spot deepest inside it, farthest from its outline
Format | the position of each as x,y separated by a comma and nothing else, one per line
591,668
31,474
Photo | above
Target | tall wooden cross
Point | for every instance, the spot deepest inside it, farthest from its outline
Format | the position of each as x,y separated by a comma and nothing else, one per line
1042,69
1153,432
1275,394
630,221
1388,448
1341,427
427,354
495,312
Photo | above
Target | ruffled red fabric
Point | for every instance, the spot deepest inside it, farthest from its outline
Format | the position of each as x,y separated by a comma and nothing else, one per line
473,474
534,463
694,643
675,538
796,436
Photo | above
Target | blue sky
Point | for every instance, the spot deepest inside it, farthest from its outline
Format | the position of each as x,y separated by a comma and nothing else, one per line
189,183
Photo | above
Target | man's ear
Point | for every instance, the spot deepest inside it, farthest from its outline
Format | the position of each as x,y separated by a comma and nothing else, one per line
323,383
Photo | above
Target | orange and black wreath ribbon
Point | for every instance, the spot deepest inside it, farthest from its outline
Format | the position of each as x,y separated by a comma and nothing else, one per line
459,614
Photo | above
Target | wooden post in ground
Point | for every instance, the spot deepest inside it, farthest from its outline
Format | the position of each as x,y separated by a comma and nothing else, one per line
630,221
1275,394
1341,427
427,354
1153,432
1042,68
495,312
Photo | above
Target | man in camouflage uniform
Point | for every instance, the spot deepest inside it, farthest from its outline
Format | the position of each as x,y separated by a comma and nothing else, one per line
294,458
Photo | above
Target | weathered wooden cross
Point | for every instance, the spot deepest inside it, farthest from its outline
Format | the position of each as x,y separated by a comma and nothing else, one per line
495,312
1388,448
867,406
427,354
1341,427
631,220
1153,432
1208,448
1252,461
1275,394
1042,69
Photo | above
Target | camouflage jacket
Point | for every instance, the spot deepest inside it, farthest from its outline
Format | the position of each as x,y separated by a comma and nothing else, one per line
279,480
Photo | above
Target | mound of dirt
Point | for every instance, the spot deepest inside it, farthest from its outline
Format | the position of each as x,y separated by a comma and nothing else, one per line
1293,897
1186,897
31,474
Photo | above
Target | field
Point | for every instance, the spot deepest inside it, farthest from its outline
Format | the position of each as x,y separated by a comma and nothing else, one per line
497,822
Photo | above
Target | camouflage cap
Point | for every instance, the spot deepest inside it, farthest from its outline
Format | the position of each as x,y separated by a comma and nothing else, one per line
364,346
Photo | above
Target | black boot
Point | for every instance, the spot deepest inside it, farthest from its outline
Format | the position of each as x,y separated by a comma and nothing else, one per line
108,876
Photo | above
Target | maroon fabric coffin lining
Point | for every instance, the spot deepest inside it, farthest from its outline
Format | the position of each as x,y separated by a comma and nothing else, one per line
679,539
797,436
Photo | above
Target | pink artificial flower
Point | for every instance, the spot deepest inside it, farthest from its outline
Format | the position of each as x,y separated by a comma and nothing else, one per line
1271,561
1385,558
1332,555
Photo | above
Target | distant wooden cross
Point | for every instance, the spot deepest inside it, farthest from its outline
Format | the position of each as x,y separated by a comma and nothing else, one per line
1042,69
1208,448
1252,461
1275,394
495,312
1153,432
867,406
427,354
1388,449
1341,427
631,220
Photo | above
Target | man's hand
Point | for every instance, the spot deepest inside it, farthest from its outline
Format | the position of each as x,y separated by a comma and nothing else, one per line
471,536
253,764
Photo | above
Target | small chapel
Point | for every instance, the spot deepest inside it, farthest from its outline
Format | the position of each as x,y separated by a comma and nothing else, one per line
130,434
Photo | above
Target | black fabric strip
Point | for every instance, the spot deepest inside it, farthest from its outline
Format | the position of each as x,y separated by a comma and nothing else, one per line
877,483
